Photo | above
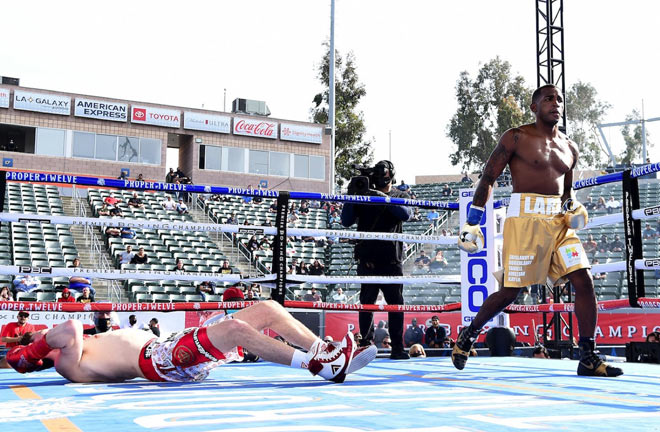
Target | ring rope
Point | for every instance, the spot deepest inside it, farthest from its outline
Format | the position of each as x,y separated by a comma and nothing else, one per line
227,228
617,176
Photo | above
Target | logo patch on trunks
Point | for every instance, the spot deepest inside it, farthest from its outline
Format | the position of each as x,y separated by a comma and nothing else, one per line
183,355
573,255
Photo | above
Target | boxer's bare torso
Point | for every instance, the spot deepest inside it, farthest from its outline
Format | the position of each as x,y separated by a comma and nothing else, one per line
111,356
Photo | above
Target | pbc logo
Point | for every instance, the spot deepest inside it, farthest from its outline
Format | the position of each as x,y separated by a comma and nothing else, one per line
651,211
139,114
40,270
655,262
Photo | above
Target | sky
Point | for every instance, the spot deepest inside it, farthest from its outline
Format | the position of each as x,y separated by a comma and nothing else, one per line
408,54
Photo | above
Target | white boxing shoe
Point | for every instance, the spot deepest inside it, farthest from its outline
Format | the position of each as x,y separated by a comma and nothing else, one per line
333,360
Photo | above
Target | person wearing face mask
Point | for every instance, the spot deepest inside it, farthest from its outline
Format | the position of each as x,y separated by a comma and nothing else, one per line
102,324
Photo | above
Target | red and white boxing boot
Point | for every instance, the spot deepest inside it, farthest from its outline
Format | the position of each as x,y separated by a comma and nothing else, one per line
332,360
28,358
362,357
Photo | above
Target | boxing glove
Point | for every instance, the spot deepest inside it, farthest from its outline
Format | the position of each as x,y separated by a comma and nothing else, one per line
28,358
575,214
470,238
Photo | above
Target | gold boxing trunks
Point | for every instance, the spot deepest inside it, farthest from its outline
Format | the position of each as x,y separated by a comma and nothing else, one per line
537,244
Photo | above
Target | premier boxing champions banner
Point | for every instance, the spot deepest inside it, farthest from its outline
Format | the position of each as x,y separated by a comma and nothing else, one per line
477,280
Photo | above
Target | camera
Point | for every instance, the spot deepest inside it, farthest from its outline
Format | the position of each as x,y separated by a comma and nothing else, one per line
371,178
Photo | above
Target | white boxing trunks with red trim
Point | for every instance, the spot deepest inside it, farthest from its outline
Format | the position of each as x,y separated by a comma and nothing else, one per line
185,356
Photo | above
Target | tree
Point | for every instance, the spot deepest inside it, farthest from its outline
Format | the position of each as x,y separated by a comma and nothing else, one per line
633,140
487,106
583,112
351,147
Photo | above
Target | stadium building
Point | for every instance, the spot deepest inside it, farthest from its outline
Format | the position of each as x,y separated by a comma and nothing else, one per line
46,130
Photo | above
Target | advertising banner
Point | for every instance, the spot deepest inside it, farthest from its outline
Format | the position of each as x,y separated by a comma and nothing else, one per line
255,128
613,328
102,110
4,97
206,122
300,133
477,280
42,102
155,116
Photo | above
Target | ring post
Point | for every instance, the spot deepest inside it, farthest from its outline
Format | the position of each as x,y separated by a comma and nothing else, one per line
279,248
633,234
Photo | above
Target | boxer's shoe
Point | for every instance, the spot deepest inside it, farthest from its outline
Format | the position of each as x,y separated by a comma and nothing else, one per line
361,357
592,365
333,360
462,347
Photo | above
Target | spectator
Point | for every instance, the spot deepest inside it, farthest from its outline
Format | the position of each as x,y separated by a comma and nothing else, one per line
590,246
133,323
648,232
439,261
601,205
111,201
598,276
466,178
653,337
417,350
140,257
258,199
446,191
169,203
102,323
79,283
13,332
423,260
525,297
181,207
256,289
293,208
273,207
413,334
25,284
316,269
6,294
126,256
612,205
253,244
304,209
334,218
403,186
178,266
247,198
206,289
264,243
232,219
115,212
86,297
293,218
233,294
436,334
433,216
339,296
226,268
590,204
154,326
123,175
111,231
616,245
297,267
387,343
381,333
135,201
140,178
312,296
104,211
416,216
540,352
66,297
603,244
127,233
169,178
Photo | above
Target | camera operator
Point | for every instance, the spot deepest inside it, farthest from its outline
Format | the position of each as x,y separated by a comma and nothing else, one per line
375,257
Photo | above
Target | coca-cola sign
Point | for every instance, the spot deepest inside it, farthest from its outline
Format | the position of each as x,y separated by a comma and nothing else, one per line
255,128
155,116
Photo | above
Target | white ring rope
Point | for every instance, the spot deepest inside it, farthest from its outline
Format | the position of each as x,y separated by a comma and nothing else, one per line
153,275
209,227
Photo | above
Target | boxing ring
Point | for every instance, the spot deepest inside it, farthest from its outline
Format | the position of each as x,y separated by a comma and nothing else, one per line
490,394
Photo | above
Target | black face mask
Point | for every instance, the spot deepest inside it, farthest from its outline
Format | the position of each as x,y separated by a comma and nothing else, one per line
103,324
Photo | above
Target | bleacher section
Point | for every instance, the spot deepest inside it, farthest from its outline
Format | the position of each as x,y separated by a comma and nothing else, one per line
35,244
196,249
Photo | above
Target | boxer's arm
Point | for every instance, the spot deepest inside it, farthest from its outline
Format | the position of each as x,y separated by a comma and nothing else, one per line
495,165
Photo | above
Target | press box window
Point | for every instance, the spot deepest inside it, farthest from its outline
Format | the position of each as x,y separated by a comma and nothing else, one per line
279,164
235,159
50,142
150,151
258,162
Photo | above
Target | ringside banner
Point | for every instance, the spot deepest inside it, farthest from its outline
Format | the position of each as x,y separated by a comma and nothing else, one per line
477,280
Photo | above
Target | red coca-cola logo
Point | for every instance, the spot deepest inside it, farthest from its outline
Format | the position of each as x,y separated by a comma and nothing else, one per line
139,114
264,129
